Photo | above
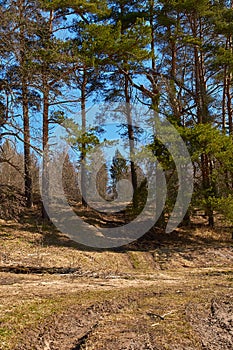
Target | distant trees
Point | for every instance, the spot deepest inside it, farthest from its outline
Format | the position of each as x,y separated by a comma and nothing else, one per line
119,170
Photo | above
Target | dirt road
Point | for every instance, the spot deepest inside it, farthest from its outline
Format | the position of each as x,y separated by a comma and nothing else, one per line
173,292
177,309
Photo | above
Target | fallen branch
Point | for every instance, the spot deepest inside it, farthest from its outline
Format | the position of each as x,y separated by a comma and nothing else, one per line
161,317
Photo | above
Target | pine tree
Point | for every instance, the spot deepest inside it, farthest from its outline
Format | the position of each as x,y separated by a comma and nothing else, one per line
20,18
118,170
81,50
124,53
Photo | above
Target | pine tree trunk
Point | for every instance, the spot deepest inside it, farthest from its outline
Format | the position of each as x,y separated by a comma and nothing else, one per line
25,106
131,140
161,222
27,153
46,91
229,85
83,146
45,176
202,110
224,95
172,93
229,103
206,182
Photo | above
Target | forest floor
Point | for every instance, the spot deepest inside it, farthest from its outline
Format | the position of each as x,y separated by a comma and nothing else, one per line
168,291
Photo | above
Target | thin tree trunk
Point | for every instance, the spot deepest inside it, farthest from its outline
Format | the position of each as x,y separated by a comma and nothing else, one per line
46,91
26,123
130,130
229,104
224,100
83,146
173,96
206,186
27,153
202,110
154,100
229,86
45,177
131,137
161,222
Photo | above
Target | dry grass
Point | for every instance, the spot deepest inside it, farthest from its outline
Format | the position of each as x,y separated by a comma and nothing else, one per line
134,285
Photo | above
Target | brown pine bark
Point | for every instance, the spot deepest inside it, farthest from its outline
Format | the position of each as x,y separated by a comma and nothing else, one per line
45,146
83,145
131,136
202,108
25,107
27,152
